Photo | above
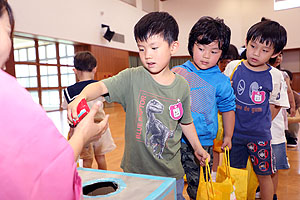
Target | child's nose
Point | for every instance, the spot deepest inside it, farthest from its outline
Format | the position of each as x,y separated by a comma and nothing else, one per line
206,54
256,52
148,54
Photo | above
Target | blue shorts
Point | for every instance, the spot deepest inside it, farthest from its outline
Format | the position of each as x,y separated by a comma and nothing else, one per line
281,161
260,152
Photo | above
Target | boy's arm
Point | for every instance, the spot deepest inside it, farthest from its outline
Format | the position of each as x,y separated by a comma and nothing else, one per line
228,123
274,110
90,92
189,131
291,97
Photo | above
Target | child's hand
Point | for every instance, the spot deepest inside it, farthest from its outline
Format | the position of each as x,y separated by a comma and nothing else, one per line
293,112
202,155
88,129
72,109
226,142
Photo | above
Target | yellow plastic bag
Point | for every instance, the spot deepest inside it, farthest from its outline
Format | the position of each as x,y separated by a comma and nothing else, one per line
218,141
239,177
252,181
208,190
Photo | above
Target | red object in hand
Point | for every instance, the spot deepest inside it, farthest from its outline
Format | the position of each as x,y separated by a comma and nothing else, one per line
82,110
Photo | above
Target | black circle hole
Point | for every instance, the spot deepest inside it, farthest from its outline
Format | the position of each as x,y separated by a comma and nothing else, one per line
100,188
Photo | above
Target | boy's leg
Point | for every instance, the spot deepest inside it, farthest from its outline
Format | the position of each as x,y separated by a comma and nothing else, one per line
87,156
179,189
191,167
104,145
281,162
266,187
262,158
85,153
87,163
275,181
100,159
216,160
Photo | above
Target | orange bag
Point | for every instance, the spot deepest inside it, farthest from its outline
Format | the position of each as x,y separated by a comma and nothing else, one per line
218,141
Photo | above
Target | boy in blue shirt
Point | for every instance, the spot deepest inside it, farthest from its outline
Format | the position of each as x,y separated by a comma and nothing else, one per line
210,91
257,87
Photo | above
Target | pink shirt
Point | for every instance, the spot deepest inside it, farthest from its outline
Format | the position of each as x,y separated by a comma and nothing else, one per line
36,161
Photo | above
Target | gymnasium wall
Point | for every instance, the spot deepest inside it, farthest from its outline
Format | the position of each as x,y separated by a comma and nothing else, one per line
80,21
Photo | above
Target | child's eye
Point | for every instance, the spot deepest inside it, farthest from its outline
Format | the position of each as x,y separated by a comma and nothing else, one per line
154,48
252,46
214,52
201,49
140,49
266,51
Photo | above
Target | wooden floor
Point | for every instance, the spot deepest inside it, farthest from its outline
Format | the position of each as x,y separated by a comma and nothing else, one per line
289,180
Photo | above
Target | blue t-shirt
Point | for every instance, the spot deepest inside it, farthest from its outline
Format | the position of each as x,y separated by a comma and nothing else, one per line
254,91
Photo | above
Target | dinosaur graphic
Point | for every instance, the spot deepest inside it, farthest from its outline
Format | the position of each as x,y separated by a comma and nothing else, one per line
154,127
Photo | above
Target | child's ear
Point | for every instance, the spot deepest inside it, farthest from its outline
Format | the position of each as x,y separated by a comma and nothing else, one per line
75,70
275,55
95,69
174,47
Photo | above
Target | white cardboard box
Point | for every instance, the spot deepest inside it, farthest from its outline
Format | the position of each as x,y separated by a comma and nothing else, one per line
120,185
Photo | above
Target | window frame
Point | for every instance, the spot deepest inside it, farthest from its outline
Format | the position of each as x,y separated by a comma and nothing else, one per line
38,64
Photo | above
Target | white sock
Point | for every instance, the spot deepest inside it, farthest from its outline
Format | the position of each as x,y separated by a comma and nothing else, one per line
213,176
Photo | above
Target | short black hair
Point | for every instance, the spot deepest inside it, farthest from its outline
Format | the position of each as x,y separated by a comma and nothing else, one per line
270,31
206,30
84,61
156,23
232,53
5,6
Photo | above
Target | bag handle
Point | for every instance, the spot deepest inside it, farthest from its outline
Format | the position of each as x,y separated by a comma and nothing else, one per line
208,174
235,68
227,160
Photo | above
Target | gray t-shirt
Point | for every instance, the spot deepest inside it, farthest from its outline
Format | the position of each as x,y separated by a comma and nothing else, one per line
152,136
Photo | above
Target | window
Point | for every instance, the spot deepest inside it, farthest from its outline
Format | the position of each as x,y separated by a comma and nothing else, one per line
26,75
286,4
44,68
131,2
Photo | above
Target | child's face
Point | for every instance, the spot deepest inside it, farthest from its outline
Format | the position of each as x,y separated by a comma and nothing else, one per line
155,53
223,63
206,56
278,60
5,40
259,53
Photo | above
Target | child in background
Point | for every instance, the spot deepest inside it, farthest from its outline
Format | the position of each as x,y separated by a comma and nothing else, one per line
293,121
156,101
85,68
210,91
232,54
257,87
279,125
36,160
275,62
